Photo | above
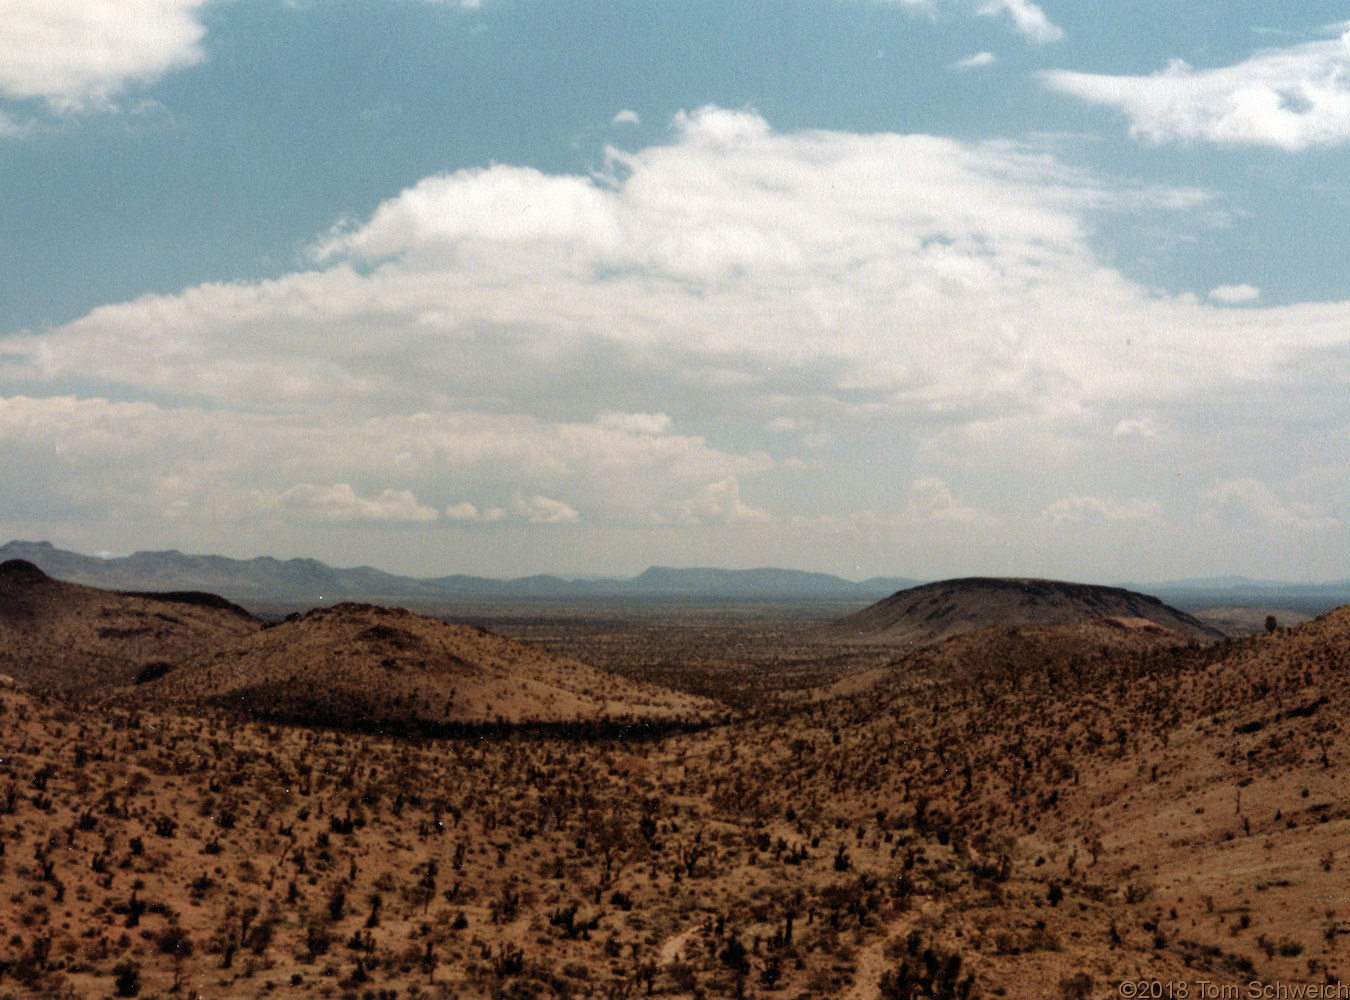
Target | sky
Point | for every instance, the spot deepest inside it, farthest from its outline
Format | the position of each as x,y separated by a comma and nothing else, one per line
921,288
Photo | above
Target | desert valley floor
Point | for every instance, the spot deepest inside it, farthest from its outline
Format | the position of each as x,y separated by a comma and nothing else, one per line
926,798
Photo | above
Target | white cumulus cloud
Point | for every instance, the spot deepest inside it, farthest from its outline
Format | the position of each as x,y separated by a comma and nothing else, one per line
1135,427
1250,503
1291,98
1232,295
340,502
720,503
466,511
977,61
930,500
1089,509
636,423
77,52
544,510
500,204
1027,17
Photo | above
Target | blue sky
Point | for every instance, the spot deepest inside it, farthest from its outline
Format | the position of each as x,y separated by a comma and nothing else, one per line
924,287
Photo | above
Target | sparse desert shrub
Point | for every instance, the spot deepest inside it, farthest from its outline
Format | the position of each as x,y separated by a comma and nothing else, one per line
505,907
175,941
152,671
126,979
1138,891
929,975
317,940
682,976
734,956
509,961
259,937
1076,987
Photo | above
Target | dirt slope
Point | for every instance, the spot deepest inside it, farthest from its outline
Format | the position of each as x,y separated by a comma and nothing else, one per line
1188,800
1229,817
68,637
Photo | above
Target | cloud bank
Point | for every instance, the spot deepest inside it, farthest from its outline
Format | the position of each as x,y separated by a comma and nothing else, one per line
762,340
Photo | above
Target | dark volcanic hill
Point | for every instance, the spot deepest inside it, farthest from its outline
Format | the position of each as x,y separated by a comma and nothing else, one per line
367,667
936,611
68,637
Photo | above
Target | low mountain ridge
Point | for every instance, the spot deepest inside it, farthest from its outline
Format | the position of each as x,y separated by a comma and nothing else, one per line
767,581
935,611
266,582
260,581
362,666
65,636
351,665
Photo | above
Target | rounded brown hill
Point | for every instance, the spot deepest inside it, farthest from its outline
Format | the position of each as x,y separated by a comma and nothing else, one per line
64,636
367,667
935,611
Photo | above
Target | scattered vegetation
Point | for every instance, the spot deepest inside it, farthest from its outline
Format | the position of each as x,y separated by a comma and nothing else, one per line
1018,812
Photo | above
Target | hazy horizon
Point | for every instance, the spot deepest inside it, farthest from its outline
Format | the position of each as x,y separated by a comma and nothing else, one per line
620,575
921,288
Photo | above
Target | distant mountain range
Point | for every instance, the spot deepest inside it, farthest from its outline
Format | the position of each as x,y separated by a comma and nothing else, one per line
1241,591
269,582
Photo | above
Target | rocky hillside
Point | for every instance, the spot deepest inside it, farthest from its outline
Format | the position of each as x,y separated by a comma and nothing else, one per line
363,666
936,611
64,636
1185,797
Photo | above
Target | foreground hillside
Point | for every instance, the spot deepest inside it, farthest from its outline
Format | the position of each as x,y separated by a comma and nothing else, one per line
69,637
1194,789
936,611
1029,812
360,666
